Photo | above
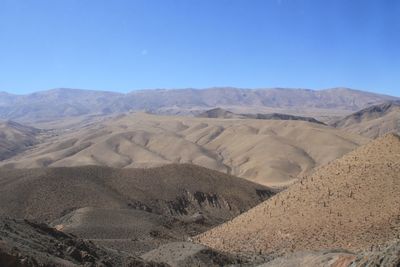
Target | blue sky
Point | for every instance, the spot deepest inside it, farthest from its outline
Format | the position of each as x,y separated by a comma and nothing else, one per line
122,45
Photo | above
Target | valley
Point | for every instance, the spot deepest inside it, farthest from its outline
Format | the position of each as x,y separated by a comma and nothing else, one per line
214,187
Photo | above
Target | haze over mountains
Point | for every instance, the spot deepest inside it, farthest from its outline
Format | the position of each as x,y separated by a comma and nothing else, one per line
58,103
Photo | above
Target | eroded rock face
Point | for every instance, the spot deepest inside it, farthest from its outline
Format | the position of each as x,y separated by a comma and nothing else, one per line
198,200
190,203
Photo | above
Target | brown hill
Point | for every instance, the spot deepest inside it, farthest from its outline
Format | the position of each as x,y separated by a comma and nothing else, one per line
351,203
373,121
15,138
26,243
269,152
133,210
47,194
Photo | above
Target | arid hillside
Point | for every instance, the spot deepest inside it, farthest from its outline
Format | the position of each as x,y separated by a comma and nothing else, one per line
15,138
133,210
25,244
49,193
387,255
351,203
269,152
373,121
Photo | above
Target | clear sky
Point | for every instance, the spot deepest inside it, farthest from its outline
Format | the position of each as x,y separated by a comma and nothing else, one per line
122,45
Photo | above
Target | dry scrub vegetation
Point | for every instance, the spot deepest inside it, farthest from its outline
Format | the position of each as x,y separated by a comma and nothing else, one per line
352,203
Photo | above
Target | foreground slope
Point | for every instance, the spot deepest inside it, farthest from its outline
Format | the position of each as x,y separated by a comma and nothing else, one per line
352,203
387,255
25,243
373,121
132,210
267,152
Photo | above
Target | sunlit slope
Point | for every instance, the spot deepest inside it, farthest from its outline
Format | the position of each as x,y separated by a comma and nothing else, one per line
352,202
267,152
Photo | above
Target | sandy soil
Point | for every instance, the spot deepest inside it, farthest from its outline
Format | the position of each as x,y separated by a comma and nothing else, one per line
272,153
350,203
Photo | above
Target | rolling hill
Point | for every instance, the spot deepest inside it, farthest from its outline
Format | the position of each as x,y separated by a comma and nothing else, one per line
351,203
269,152
373,121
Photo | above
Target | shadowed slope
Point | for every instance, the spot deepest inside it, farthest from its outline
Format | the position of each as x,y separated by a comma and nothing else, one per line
47,194
132,210
225,114
352,202
25,243
15,138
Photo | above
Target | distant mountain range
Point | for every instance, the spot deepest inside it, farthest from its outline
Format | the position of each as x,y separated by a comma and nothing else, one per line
59,103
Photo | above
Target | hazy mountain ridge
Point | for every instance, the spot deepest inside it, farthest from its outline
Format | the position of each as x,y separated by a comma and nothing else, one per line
58,103
373,121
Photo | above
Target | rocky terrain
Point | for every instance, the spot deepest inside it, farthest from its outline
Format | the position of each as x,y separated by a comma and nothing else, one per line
270,152
350,203
25,243
384,255
101,185
61,103
169,203
373,121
